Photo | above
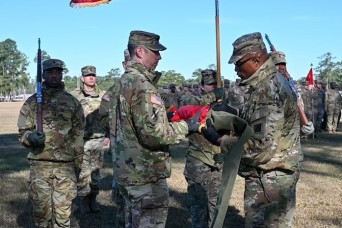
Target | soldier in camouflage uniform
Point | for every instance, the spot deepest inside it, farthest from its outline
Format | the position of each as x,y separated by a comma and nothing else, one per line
333,99
55,154
279,60
271,158
143,134
89,179
318,104
106,121
203,166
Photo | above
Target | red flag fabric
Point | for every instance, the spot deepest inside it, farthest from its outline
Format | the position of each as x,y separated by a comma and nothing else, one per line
188,111
87,3
310,77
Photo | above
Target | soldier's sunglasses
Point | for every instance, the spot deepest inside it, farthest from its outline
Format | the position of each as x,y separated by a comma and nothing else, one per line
239,64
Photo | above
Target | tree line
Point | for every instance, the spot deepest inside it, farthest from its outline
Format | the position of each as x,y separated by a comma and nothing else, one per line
14,77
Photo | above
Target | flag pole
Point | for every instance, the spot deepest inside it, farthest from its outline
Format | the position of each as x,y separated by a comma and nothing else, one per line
218,53
312,105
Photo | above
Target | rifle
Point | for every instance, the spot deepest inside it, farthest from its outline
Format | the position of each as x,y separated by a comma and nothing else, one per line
303,119
39,90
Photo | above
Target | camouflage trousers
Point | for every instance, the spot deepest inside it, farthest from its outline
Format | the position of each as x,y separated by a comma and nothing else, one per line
332,120
203,187
270,200
52,187
89,178
146,205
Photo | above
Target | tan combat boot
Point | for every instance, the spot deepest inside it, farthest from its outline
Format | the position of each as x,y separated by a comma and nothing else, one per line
84,204
94,207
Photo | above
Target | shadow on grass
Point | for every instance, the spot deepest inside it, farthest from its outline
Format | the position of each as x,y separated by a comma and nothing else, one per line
327,146
12,155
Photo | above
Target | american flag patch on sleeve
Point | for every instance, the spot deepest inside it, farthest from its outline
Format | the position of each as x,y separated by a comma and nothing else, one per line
156,100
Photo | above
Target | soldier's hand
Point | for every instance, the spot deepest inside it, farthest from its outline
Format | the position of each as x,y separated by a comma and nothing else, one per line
226,142
219,158
193,123
170,115
308,129
218,93
36,138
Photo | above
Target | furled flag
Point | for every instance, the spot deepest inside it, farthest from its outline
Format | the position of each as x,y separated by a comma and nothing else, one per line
310,77
87,3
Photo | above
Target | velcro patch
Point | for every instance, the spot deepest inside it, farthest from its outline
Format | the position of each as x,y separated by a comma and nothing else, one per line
106,97
156,100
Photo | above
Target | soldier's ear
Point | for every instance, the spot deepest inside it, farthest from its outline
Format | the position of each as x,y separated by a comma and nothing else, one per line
82,78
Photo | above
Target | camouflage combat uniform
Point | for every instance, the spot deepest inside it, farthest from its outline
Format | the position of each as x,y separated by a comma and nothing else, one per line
108,124
333,109
271,159
52,185
236,96
201,172
89,178
141,155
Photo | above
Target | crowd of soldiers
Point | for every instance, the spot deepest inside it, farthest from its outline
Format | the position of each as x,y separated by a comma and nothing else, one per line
322,104
135,118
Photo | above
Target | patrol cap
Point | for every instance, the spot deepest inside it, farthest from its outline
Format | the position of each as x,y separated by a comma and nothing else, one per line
127,56
53,63
278,57
209,76
248,43
187,85
172,85
226,81
88,70
147,39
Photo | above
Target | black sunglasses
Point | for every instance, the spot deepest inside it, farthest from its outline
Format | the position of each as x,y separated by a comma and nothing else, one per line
239,64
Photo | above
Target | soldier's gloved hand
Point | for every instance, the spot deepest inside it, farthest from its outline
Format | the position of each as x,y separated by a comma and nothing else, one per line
308,129
219,158
36,138
211,135
170,115
226,143
218,93
193,123
223,106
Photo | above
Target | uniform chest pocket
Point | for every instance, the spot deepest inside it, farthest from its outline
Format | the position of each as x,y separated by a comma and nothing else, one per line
65,112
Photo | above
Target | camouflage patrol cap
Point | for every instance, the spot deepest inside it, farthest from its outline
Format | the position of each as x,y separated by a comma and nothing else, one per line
278,57
88,70
248,43
53,63
127,56
226,81
209,76
147,39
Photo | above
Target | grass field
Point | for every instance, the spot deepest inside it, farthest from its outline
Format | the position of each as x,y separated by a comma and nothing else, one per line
319,195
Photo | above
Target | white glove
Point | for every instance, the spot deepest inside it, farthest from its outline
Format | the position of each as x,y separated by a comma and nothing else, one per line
308,129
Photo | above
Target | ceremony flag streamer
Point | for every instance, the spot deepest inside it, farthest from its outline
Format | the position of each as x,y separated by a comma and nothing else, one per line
87,3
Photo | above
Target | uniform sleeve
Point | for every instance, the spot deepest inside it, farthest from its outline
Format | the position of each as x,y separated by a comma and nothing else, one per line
150,120
104,112
26,120
78,125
